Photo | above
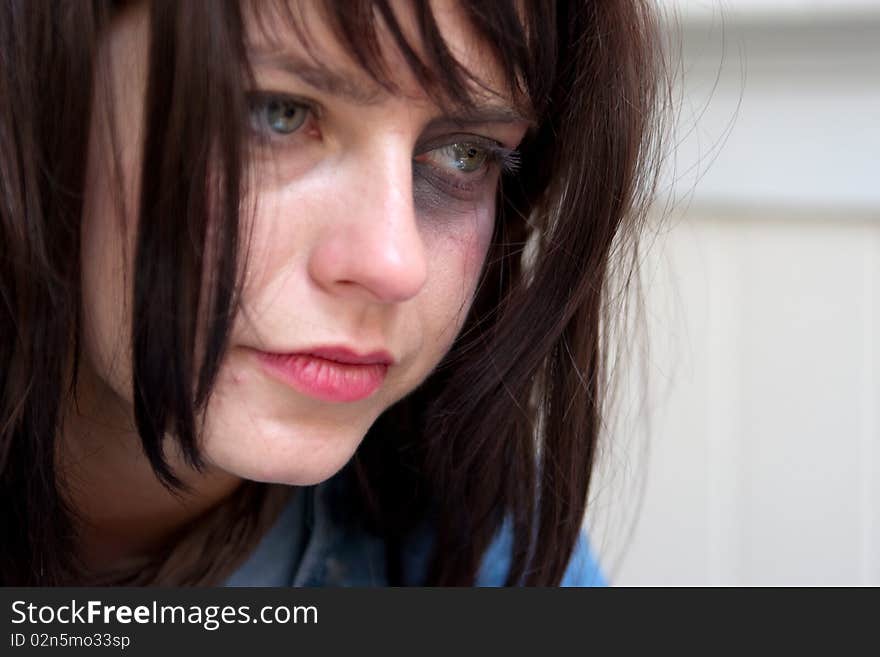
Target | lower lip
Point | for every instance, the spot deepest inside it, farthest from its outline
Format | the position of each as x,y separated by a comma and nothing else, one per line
324,379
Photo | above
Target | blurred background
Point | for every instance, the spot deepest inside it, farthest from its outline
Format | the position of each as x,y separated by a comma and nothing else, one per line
754,458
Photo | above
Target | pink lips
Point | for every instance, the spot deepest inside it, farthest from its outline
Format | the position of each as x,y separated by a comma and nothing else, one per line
334,374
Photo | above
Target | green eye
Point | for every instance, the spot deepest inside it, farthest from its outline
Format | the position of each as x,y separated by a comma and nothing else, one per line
466,156
283,116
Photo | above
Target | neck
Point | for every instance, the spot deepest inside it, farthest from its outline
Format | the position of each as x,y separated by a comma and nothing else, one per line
122,510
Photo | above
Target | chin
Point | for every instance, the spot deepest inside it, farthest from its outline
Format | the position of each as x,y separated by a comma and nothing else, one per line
296,457
294,471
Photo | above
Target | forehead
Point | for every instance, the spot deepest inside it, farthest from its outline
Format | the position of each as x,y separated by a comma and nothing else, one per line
364,51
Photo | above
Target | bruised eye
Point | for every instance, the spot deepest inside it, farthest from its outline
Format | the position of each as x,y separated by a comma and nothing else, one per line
278,115
460,167
466,157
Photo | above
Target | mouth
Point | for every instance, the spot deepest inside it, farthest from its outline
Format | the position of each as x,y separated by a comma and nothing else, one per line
334,374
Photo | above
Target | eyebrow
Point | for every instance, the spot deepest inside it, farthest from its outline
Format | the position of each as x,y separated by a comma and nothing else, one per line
320,77
336,84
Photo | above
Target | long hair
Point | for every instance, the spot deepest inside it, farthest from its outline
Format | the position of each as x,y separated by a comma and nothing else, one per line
505,429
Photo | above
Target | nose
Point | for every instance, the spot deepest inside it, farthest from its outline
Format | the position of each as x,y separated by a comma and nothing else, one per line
369,245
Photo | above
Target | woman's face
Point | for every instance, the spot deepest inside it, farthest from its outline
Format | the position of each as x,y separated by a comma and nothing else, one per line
373,215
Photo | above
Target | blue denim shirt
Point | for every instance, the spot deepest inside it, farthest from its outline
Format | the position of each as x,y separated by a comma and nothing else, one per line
308,546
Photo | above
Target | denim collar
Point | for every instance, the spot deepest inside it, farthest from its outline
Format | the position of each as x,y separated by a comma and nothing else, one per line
311,544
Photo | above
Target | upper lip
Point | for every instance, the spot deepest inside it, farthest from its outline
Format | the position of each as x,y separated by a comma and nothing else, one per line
346,355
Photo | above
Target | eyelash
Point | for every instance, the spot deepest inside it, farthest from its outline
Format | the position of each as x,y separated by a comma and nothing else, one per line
494,155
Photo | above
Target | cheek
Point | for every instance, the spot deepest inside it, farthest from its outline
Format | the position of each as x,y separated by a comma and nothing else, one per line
107,243
479,244
471,245
276,226
455,271
111,194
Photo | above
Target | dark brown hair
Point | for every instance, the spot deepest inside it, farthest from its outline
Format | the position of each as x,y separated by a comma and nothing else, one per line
506,427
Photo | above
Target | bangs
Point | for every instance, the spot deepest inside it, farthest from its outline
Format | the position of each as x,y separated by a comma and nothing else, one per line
519,40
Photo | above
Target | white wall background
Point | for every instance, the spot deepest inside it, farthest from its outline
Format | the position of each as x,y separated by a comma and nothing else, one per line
761,463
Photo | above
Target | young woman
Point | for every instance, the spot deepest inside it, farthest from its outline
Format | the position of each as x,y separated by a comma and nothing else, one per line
311,292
